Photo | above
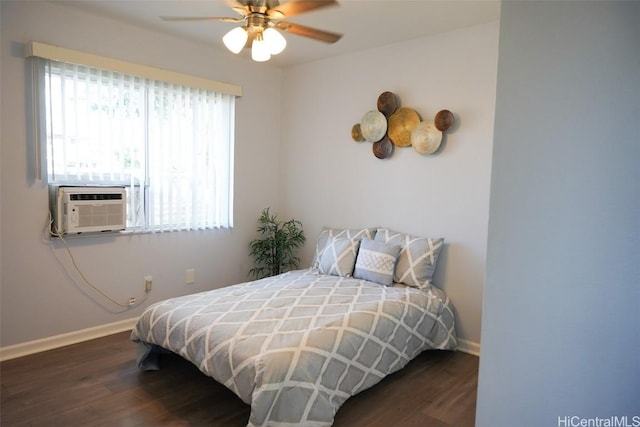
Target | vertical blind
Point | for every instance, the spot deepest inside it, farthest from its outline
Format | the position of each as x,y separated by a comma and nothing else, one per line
170,144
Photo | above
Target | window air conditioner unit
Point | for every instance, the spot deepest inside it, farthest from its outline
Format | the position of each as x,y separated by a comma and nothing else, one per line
77,210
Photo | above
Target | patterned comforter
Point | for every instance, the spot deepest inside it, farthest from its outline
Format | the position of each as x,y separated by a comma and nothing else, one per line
297,346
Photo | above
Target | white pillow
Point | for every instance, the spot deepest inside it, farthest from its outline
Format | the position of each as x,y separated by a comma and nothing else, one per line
376,261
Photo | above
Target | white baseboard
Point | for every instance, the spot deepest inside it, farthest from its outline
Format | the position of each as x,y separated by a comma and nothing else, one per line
36,346
469,347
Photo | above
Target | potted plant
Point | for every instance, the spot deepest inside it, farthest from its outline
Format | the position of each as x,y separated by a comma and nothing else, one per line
274,251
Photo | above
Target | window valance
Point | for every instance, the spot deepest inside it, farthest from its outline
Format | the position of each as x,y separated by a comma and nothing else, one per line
56,53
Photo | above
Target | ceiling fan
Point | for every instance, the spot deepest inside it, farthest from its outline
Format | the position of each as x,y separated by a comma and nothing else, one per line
260,21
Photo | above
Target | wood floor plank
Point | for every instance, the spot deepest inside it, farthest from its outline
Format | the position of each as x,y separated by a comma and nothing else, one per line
97,383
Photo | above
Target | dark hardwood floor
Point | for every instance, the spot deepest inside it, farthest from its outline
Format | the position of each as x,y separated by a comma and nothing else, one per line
97,383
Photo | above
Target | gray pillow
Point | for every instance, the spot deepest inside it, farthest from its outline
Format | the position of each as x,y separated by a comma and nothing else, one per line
346,233
376,261
339,257
417,259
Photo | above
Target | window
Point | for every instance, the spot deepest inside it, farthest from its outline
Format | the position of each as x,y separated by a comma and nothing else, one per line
169,143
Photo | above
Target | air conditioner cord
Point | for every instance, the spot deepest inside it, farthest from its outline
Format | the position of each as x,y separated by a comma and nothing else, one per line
54,232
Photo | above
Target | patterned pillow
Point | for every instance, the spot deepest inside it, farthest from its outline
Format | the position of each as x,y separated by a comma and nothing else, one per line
376,261
417,259
347,233
339,257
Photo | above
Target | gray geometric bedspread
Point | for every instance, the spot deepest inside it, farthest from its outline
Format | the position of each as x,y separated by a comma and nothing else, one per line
297,346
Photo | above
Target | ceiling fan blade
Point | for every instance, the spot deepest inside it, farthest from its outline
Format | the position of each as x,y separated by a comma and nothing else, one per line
296,7
201,18
304,31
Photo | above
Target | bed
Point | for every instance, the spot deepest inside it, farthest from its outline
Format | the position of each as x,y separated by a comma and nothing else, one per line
296,346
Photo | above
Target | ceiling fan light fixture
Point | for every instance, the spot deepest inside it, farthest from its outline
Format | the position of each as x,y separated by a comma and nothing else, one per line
275,41
260,49
258,27
235,39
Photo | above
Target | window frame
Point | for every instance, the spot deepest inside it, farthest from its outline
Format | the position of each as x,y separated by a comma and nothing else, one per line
48,52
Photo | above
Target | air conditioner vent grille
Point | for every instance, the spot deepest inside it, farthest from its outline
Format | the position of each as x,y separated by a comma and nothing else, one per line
103,216
96,196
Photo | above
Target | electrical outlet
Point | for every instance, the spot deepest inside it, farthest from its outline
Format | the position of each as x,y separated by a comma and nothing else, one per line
132,301
148,283
190,276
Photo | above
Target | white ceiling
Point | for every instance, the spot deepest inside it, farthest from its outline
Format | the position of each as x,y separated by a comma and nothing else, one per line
364,23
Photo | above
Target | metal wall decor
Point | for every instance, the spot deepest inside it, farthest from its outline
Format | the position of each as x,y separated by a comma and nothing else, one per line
393,126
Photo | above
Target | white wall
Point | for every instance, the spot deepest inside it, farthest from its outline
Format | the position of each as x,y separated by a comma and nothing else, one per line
328,179
316,174
41,295
560,331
